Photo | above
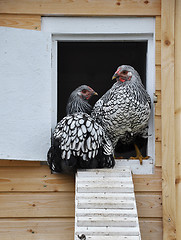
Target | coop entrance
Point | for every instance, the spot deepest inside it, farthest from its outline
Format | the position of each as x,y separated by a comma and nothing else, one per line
93,64
88,50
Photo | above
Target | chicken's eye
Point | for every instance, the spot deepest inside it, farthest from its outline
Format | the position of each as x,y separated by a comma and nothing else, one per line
84,91
124,72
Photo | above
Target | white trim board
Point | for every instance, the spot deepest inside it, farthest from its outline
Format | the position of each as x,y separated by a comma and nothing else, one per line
104,29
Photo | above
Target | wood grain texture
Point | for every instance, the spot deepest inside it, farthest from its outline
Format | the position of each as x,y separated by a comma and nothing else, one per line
158,154
32,22
158,28
34,179
62,228
82,7
37,228
178,115
149,204
151,229
158,104
15,179
59,204
20,163
158,53
146,183
158,78
158,128
168,136
62,204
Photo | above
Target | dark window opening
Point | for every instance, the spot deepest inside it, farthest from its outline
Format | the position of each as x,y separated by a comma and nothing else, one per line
93,64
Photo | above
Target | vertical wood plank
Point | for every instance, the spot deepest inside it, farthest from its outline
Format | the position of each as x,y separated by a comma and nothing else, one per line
178,114
168,136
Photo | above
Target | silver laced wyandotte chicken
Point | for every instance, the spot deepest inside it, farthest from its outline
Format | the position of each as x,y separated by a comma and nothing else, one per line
78,140
124,110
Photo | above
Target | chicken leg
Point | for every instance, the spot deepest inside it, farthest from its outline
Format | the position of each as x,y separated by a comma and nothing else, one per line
139,155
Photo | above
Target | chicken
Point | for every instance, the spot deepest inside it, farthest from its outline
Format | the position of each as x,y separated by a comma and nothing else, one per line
78,141
124,110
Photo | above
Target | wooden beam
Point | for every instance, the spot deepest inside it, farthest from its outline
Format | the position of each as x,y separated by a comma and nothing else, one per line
82,7
168,136
62,228
32,22
178,115
35,179
158,28
158,77
37,228
58,204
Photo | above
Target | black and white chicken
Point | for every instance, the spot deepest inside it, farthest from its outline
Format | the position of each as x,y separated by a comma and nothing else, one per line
78,140
124,110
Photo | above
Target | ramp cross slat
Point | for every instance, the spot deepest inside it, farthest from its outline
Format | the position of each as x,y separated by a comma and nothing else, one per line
105,206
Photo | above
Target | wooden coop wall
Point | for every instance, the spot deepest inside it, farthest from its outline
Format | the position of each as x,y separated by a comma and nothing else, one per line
35,204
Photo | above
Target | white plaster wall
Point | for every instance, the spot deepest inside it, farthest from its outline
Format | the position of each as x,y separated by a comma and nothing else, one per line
25,94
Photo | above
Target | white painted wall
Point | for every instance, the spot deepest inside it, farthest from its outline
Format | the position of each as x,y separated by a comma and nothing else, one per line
25,94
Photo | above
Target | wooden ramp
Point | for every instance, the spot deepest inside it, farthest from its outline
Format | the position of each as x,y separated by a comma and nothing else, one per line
105,206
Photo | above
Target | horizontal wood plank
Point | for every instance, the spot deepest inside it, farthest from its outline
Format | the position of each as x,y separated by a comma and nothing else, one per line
18,163
62,228
40,179
82,7
37,204
102,221
144,183
32,22
111,231
34,179
149,205
35,228
111,238
106,212
151,229
62,205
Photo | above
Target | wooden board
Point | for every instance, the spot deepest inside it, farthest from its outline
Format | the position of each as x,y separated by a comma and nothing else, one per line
62,228
158,78
158,128
168,137
82,7
158,104
178,115
146,183
37,228
158,154
151,229
158,52
19,178
16,163
15,179
158,28
37,204
62,204
32,22
149,204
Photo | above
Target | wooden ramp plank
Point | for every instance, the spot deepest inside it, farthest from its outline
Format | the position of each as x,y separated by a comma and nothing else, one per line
105,206
111,238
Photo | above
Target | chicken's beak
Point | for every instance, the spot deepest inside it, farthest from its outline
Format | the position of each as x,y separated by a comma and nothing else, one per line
94,93
114,76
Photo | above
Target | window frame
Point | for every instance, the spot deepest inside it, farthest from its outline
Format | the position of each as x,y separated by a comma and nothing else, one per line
105,29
